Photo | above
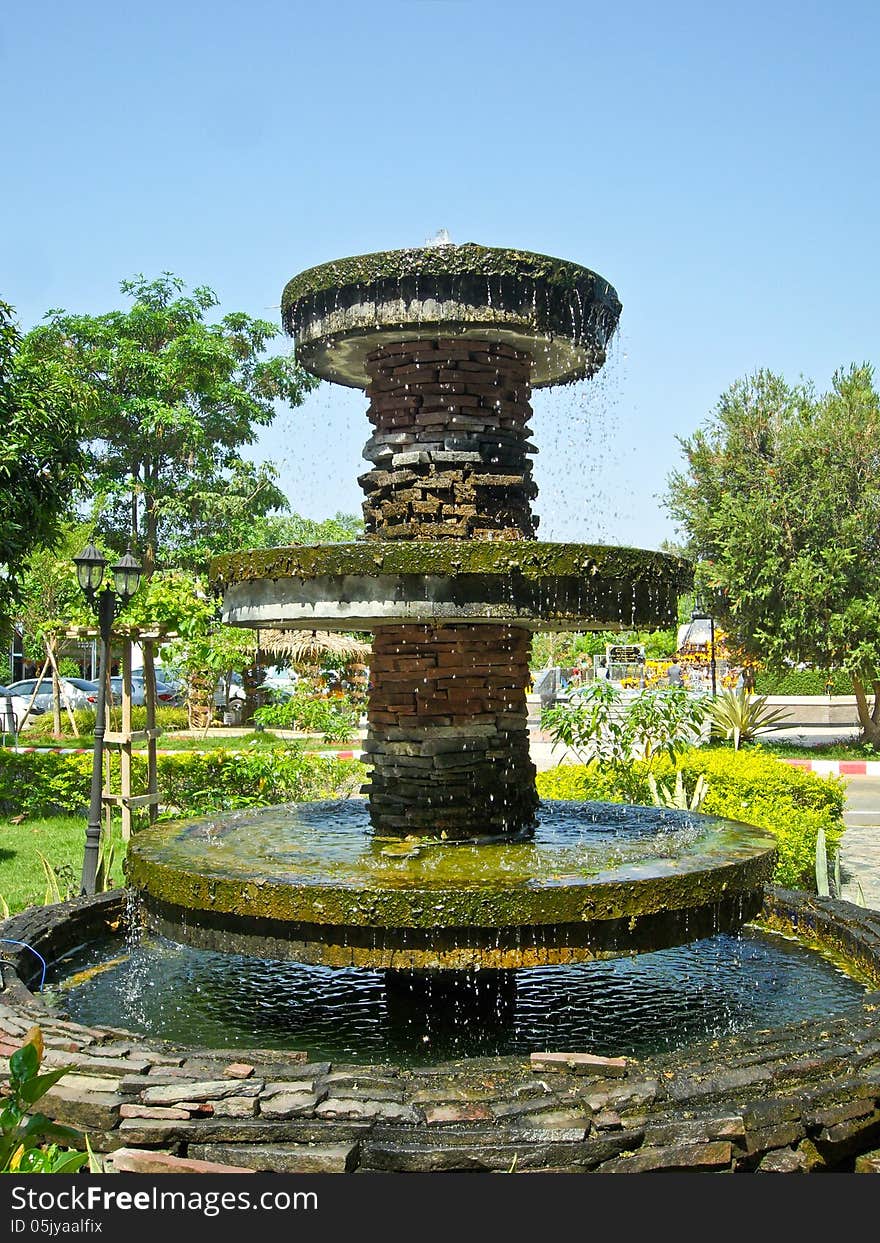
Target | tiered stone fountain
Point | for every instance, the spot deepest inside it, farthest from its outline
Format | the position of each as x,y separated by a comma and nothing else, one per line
455,865
451,862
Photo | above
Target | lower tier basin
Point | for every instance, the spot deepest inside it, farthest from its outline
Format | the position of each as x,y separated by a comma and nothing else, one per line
631,1006
311,882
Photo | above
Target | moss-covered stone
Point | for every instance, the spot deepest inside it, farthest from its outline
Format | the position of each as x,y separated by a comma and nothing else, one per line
559,313
440,264
531,559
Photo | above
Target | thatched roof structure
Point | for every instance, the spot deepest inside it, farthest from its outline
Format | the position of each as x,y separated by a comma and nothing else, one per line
311,647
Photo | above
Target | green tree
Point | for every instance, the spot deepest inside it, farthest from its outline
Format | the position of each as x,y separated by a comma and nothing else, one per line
277,530
204,650
780,500
50,598
41,462
171,401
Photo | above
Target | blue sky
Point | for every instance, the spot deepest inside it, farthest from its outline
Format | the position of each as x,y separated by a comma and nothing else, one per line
717,164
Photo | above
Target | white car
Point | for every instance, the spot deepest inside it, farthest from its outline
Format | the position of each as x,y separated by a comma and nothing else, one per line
13,710
75,692
166,696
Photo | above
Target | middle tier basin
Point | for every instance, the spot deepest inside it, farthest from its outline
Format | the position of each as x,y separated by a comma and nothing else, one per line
312,882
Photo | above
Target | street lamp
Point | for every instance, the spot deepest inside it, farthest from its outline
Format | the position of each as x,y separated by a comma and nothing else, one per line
703,614
106,603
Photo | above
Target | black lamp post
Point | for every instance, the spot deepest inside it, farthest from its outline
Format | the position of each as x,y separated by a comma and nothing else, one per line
703,614
106,603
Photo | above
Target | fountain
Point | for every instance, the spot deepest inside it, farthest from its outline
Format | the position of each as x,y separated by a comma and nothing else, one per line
328,941
452,864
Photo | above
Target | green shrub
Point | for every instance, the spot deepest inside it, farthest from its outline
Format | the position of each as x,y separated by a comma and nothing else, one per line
740,716
169,719
591,782
220,780
334,717
748,786
46,783
803,682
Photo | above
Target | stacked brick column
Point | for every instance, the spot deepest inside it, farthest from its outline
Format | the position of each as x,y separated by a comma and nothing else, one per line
450,446
448,739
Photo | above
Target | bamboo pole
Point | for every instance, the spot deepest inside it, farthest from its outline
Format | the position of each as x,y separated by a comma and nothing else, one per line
150,708
36,689
56,683
125,745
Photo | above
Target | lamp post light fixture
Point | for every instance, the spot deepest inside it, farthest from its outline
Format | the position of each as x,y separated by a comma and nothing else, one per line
105,603
702,614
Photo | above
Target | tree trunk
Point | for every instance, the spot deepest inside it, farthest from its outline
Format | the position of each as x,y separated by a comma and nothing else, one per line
56,704
254,695
200,700
869,712
150,524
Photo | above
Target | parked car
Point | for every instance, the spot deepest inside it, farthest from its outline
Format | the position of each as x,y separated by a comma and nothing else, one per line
14,711
75,692
166,696
225,695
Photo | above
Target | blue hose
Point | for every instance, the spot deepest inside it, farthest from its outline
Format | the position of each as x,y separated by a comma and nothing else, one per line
24,945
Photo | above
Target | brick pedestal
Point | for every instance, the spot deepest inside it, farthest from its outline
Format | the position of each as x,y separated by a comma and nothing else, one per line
450,447
448,737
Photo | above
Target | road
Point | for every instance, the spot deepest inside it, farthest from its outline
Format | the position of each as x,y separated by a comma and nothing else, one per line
860,849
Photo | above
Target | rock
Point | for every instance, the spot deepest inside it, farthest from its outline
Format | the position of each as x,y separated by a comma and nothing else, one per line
110,1050
336,1107
289,1105
683,1090
364,1093
81,1104
234,1107
284,1158
716,1155
811,1157
781,1161
693,1131
843,1112
782,1136
287,1087
209,1090
157,1112
84,1062
848,1138
632,1095
137,1161
446,1115
556,1120
580,1063
868,1163
238,1070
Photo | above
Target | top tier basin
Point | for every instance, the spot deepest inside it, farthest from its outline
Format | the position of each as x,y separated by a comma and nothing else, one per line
560,313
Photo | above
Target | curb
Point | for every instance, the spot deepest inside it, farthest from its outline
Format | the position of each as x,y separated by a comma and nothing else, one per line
836,768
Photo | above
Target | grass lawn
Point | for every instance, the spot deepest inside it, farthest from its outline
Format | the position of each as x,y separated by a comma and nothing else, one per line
826,751
262,741
61,839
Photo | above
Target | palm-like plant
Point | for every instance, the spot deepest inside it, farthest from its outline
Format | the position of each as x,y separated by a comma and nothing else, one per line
742,716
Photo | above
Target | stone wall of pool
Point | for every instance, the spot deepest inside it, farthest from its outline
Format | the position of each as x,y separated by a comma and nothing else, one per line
803,1097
